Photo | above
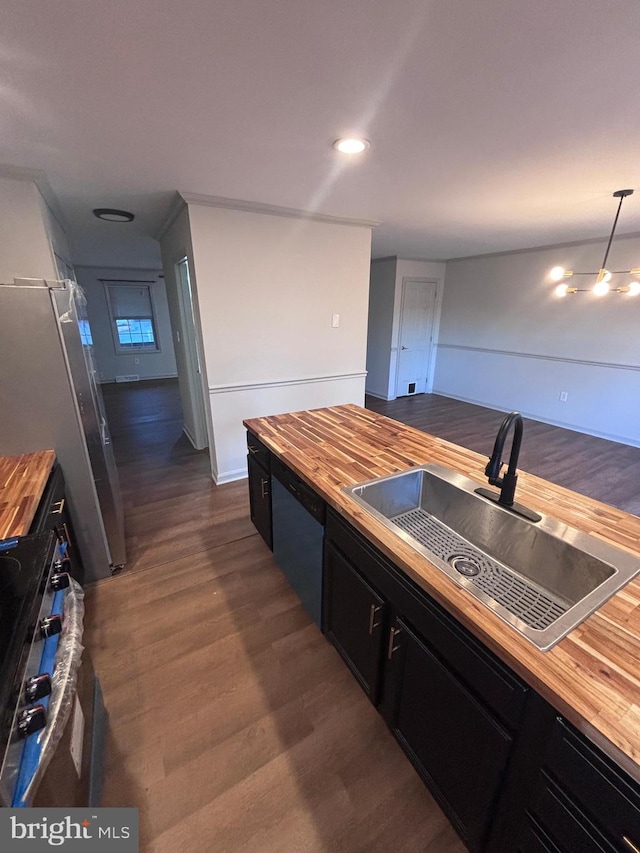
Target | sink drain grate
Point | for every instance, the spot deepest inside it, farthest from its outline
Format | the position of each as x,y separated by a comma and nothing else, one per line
523,599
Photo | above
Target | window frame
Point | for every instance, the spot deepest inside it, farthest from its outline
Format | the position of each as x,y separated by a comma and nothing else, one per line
124,349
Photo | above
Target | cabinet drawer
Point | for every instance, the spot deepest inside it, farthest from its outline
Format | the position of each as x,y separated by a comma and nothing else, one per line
566,825
491,681
609,797
259,451
533,840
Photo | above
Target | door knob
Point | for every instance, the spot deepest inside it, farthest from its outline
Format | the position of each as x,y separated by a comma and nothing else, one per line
404,347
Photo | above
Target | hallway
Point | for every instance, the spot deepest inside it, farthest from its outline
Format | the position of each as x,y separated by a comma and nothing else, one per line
172,507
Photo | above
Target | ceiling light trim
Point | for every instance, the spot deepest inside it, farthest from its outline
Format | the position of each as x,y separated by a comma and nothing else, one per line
343,143
124,216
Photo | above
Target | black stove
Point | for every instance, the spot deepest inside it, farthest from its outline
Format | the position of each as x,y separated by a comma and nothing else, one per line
25,566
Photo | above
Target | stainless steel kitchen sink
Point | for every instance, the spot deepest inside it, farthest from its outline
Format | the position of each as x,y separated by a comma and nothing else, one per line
541,578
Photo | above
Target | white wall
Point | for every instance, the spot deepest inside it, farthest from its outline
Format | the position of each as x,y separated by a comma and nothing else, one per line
507,342
385,304
267,288
26,249
151,365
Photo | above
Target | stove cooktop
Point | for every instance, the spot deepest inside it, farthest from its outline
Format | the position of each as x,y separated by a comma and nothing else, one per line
24,567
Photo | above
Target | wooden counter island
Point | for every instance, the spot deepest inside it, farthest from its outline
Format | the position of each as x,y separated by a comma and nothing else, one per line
592,676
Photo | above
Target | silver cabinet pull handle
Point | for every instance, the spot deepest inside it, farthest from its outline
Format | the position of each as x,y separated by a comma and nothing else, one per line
59,507
263,483
392,648
252,449
630,844
372,615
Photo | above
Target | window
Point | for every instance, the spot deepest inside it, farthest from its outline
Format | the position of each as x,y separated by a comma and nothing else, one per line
132,315
85,332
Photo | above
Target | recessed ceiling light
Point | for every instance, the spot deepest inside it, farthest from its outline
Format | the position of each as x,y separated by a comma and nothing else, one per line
351,146
110,214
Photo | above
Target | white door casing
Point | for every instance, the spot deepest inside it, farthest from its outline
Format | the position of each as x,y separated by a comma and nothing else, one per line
198,432
415,338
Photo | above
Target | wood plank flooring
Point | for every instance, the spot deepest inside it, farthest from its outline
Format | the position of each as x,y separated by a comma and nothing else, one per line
605,470
234,725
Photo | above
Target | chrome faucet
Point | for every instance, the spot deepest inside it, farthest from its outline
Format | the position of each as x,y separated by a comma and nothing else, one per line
508,482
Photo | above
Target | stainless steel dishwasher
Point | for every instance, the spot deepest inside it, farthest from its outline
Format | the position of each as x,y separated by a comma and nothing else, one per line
298,516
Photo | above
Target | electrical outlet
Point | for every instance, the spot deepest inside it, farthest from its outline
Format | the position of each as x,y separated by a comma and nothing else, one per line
335,321
136,361
563,396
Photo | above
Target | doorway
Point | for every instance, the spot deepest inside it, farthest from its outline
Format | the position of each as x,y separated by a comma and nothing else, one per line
415,337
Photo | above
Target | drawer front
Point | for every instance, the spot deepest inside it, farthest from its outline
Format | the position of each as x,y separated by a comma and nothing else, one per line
565,824
609,797
259,451
533,840
494,683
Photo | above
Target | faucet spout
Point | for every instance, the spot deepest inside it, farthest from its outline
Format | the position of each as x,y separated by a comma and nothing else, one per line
508,482
510,479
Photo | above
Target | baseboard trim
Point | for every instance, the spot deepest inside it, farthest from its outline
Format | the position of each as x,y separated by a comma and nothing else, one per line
536,417
378,396
230,476
142,379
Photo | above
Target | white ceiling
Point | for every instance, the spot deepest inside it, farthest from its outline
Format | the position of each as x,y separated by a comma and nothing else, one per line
494,124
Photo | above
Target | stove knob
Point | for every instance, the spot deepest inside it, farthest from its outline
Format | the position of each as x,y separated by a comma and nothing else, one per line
60,580
31,720
37,687
50,626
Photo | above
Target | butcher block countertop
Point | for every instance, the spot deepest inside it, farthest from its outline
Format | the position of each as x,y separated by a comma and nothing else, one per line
592,676
22,482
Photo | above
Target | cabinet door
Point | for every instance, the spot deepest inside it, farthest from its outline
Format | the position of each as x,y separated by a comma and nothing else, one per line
459,749
260,499
354,620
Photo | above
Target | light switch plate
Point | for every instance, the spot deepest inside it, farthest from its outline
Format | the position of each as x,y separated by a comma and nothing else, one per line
335,321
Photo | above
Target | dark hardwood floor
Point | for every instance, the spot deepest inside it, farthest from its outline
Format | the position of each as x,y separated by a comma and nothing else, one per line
604,470
234,725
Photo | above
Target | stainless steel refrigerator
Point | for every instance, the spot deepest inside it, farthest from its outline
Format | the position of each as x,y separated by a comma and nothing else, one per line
50,399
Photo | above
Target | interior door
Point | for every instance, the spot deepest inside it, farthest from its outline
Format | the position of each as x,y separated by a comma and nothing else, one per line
416,333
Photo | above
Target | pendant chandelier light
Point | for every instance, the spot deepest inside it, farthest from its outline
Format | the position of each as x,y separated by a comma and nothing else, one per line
603,276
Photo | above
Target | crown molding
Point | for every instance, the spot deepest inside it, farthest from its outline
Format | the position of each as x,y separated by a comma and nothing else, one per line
274,210
586,242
